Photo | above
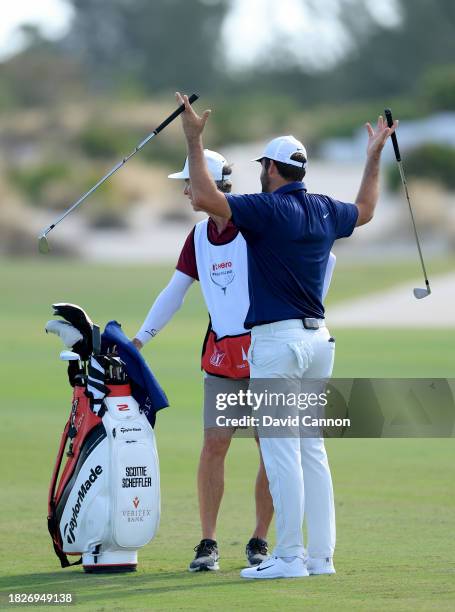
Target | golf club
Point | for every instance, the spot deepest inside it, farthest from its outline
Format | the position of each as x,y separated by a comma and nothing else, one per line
419,293
43,244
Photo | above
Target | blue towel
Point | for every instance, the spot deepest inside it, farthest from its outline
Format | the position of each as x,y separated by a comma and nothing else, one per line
144,386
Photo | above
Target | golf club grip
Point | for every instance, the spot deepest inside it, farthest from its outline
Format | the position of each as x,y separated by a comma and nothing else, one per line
175,114
396,148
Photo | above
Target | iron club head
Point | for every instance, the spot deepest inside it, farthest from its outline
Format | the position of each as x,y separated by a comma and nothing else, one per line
421,293
43,244
69,356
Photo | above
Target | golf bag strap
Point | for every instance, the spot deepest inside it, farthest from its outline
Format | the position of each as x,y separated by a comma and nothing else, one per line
51,518
58,463
52,527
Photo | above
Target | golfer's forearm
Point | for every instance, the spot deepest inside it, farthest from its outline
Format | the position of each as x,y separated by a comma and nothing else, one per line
165,306
205,194
369,190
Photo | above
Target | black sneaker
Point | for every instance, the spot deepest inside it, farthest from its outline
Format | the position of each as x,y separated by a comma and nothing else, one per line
206,557
256,551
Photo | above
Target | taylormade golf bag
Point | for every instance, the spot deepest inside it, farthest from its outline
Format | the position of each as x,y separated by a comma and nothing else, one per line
105,504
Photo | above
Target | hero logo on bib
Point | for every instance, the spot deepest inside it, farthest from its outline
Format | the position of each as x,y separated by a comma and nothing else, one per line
222,274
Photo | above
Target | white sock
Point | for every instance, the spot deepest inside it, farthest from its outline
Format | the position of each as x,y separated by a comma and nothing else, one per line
288,559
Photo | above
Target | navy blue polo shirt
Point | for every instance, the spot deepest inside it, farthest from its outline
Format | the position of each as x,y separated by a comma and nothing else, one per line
289,235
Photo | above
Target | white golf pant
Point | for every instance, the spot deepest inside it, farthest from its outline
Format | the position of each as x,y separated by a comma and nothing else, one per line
287,350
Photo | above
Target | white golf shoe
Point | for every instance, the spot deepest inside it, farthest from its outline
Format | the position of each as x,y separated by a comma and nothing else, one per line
275,567
320,566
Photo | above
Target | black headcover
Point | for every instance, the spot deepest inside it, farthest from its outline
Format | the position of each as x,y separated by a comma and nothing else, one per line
81,321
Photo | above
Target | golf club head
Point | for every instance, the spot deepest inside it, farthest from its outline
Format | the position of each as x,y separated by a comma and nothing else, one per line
69,356
421,293
43,244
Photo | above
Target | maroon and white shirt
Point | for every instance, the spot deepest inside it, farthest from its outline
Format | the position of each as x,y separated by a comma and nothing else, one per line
187,260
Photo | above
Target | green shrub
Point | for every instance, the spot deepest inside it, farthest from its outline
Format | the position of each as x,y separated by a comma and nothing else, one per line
430,161
56,185
344,120
167,153
106,142
113,143
438,87
250,117
32,181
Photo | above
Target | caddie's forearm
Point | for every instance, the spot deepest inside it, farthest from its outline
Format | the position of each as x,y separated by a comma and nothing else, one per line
205,194
165,306
368,195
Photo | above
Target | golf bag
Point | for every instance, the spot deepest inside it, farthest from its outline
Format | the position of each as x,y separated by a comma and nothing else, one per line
105,503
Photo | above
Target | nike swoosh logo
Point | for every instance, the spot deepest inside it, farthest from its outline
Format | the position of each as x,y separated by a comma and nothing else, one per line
325,216
260,569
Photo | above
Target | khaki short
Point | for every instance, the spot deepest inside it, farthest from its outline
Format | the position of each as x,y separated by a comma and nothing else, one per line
215,385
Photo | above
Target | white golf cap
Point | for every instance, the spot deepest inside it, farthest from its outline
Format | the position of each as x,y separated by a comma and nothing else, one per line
282,148
215,164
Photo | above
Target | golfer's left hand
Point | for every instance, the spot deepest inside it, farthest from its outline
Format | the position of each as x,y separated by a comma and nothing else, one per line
193,124
377,136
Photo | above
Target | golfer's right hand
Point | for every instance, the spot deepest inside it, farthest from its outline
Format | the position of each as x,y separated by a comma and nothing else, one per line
193,124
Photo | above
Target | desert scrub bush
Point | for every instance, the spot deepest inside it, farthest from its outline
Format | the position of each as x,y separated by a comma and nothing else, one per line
432,161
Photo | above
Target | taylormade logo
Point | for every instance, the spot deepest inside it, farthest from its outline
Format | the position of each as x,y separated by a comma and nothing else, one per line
68,530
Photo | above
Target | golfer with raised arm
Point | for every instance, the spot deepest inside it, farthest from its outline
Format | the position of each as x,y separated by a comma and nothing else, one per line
289,234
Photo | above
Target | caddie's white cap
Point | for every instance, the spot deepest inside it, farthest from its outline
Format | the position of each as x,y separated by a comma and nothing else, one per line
215,164
282,148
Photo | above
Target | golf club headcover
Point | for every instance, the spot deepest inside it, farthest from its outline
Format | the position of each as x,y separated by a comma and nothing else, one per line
96,381
65,331
76,316
96,389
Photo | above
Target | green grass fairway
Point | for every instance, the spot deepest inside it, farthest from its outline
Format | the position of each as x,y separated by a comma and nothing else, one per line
395,499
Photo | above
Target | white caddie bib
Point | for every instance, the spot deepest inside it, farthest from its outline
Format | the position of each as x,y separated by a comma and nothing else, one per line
223,274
